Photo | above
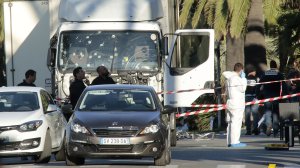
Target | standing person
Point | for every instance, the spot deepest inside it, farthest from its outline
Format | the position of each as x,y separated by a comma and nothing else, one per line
251,96
77,86
269,91
294,85
103,77
236,84
30,77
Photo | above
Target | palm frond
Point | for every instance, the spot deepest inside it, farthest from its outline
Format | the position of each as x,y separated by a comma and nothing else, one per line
185,13
271,11
239,17
209,12
230,4
198,12
221,17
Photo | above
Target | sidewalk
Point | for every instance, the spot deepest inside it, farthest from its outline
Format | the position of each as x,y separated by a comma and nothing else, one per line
215,152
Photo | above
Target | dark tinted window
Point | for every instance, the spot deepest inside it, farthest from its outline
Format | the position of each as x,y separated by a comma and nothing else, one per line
117,100
18,101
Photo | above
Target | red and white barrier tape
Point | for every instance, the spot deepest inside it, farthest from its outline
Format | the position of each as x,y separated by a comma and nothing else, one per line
218,107
191,90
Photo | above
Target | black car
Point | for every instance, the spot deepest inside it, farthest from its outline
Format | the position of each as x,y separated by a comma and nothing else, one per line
118,121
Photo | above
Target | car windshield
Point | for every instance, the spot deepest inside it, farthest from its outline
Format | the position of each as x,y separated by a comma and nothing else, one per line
18,101
117,100
116,50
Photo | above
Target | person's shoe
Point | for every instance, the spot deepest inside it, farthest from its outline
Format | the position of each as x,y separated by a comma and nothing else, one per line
239,145
269,131
255,132
248,133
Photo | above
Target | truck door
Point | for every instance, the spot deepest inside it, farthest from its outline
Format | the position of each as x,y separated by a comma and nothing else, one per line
189,68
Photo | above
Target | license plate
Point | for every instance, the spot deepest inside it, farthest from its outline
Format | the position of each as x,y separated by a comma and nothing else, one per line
114,141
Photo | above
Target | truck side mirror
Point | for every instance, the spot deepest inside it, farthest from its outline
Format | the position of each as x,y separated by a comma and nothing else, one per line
51,57
165,47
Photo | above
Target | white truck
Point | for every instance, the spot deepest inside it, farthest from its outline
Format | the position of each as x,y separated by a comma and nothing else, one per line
128,38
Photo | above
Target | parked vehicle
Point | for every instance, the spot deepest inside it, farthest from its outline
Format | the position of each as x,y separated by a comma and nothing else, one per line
128,38
125,36
31,124
118,121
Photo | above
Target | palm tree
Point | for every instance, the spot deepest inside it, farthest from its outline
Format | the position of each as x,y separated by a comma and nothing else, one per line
231,20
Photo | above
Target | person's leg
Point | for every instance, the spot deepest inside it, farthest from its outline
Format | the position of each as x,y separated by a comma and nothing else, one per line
248,116
236,125
228,118
268,117
275,117
254,110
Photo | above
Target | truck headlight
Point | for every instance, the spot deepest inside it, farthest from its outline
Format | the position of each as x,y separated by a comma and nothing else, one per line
150,129
30,126
77,128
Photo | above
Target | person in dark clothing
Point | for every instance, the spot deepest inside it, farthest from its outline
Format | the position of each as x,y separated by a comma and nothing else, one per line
103,77
250,95
294,85
77,86
269,91
30,77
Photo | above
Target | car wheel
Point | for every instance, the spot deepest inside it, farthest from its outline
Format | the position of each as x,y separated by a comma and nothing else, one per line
173,138
45,156
165,157
60,155
73,161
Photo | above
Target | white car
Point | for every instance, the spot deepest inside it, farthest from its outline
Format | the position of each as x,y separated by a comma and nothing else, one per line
31,124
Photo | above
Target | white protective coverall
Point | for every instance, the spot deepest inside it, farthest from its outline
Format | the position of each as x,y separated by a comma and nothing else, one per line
235,92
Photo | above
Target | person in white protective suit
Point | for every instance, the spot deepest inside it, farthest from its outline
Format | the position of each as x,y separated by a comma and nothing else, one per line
236,84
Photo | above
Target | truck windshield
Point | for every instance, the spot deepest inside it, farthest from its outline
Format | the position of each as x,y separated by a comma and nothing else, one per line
115,50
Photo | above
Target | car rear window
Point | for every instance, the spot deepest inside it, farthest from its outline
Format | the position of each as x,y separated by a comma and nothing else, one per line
18,101
117,100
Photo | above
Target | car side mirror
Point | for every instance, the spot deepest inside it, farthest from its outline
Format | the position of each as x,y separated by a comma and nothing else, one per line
51,57
168,109
165,45
51,108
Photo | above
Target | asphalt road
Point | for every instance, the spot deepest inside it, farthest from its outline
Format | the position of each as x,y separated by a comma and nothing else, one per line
195,153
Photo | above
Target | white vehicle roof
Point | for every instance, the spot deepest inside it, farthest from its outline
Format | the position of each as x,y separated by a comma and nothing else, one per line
110,26
20,88
110,10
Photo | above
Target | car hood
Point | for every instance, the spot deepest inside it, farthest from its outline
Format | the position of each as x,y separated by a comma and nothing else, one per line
17,118
106,119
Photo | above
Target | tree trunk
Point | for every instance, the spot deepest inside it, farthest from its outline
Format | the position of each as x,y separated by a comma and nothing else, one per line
234,51
255,47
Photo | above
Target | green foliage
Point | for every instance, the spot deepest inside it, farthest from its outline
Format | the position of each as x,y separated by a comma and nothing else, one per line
197,14
272,11
221,19
185,13
239,17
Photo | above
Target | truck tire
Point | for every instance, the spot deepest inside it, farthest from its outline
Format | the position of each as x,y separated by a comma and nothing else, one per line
173,138
61,155
45,156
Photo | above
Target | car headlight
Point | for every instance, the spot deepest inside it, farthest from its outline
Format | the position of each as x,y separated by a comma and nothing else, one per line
75,127
30,126
150,129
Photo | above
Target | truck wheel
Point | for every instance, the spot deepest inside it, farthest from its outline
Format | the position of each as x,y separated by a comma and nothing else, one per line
165,157
73,161
60,155
173,138
45,156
